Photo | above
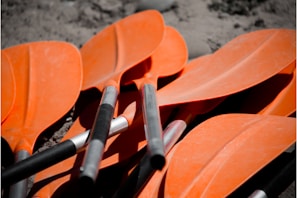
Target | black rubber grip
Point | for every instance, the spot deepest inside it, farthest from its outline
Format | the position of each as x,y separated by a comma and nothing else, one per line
37,162
102,122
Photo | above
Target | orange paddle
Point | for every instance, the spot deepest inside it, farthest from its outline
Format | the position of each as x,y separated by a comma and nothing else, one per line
44,93
106,57
7,87
168,59
247,60
247,143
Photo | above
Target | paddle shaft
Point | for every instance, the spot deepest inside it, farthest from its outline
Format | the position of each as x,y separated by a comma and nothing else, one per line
99,135
55,154
70,147
152,126
279,181
19,189
144,171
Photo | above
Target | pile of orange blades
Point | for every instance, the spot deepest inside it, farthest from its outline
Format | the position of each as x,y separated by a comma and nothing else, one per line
213,126
134,186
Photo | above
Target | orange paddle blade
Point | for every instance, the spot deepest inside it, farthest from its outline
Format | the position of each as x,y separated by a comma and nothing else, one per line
121,46
168,59
7,87
230,148
48,80
242,63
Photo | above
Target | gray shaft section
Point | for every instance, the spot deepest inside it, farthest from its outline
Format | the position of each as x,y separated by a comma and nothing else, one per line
80,140
109,96
152,122
172,133
19,189
91,162
99,134
258,194
118,125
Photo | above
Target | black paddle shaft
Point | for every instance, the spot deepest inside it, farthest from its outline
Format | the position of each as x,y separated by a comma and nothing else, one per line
42,160
152,126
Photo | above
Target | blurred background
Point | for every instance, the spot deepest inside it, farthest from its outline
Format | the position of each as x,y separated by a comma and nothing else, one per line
205,24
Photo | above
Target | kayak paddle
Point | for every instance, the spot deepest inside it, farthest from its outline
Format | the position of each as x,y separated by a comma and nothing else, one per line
243,62
106,56
168,59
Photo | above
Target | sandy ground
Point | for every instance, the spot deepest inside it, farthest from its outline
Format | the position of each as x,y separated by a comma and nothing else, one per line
205,24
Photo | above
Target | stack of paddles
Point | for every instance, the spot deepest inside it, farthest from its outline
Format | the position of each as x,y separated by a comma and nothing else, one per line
158,125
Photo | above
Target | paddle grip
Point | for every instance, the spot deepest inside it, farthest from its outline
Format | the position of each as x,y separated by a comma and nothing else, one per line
55,154
38,162
144,171
152,126
99,135
19,189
